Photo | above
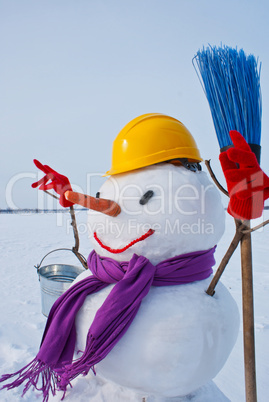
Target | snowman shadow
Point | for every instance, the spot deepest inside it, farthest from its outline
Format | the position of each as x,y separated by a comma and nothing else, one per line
207,393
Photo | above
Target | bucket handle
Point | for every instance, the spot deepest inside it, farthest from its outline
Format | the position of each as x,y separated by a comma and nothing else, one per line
81,257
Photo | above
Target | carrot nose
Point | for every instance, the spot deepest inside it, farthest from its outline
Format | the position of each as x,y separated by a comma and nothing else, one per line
107,207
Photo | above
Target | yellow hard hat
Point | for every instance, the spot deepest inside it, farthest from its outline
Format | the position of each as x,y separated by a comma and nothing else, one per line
149,139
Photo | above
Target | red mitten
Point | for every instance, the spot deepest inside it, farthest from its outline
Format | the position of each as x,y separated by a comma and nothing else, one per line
59,183
248,185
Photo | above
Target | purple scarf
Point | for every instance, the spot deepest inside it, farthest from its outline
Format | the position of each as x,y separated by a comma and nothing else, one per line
52,369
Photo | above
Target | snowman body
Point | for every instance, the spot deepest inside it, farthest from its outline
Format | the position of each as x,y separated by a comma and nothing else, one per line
180,337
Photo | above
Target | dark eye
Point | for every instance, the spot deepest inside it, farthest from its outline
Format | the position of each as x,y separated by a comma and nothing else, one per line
146,197
97,194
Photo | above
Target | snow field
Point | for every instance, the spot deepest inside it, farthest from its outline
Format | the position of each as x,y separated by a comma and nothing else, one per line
25,239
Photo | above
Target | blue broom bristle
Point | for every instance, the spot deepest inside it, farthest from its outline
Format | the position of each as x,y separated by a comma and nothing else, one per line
231,82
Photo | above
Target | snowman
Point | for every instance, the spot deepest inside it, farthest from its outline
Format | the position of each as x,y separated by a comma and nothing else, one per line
162,205
140,316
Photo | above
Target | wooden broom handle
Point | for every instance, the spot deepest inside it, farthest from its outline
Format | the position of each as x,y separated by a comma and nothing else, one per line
248,317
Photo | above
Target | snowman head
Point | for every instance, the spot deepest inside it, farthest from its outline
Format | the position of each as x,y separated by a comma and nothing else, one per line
159,209
166,210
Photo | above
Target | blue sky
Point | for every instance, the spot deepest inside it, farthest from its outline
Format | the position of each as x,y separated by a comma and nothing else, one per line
73,73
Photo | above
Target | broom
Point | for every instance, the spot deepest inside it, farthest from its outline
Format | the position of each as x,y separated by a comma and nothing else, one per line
231,82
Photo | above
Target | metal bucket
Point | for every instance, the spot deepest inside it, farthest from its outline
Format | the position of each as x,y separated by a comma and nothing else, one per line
55,279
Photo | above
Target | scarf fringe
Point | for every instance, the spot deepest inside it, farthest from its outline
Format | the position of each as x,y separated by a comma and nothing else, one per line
81,365
38,375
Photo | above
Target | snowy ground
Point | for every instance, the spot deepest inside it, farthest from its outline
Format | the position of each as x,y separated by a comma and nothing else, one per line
25,239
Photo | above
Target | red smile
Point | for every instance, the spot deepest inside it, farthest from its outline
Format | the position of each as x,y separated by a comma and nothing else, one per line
120,250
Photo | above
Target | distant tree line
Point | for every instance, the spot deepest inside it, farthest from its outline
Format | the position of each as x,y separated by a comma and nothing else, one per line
36,210
48,211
